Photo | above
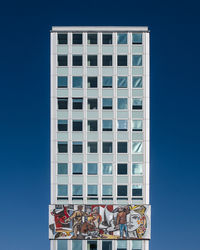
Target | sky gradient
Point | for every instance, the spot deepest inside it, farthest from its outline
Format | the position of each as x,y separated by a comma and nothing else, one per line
25,114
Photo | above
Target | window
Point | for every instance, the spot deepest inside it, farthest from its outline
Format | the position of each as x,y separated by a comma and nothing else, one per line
92,245
62,147
92,190
122,82
121,245
62,168
122,147
92,60
122,125
62,125
92,103
137,147
62,190
137,82
92,82
107,168
77,82
107,190
77,60
62,103
136,245
77,38
107,125
77,103
77,125
77,190
107,81
137,38
92,125
62,60
106,245
137,190
62,38
122,169
92,147
137,60
77,147
62,82
137,125
107,60
107,103
76,245
107,147
137,103
107,38
77,168
122,190
122,103
122,38
92,168
137,169
121,60
92,38
62,245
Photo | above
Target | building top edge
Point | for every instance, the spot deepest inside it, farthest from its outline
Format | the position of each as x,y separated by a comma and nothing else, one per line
99,28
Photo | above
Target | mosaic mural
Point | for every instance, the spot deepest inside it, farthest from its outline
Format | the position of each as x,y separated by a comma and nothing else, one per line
99,222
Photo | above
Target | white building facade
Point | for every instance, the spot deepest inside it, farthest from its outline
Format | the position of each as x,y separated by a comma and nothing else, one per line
100,116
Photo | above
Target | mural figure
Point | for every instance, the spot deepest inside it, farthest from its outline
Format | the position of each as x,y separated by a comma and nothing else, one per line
99,222
122,222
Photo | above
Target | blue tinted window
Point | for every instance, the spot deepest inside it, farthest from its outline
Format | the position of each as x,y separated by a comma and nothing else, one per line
107,125
122,82
62,168
137,60
107,81
62,190
122,103
107,190
122,38
137,38
107,103
92,168
62,244
77,82
77,190
137,82
107,168
77,245
92,190
77,168
62,82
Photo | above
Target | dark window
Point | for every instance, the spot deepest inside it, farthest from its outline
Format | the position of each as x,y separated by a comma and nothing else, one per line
77,147
92,60
92,147
77,38
121,168
122,60
107,60
92,82
107,38
62,103
107,103
77,125
92,103
92,245
77,60
92,125
107,81
122,147
62,125
77,168
136,190
62,38
77,103
92,38
62,147
107,245
107,125
107,147
62,82
122,190
62,168
62,60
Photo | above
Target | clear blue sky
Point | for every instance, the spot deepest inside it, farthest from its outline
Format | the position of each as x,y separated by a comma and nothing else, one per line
24,109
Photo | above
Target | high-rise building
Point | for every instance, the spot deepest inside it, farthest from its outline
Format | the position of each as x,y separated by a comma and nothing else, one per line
99,138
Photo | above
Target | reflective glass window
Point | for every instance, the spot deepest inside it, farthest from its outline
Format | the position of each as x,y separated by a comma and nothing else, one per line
62,103
62,125
137,103
77,147
137,125
77,190
62,82
107,103
122,38
137,60
62,147
122,125
77,81
77,103
92,168
122,103
107,190
62,190
107,125
92,190
122,82
62,168
137,82
137,190
107,168
107,81
137,147
137,169
77,168
137,38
